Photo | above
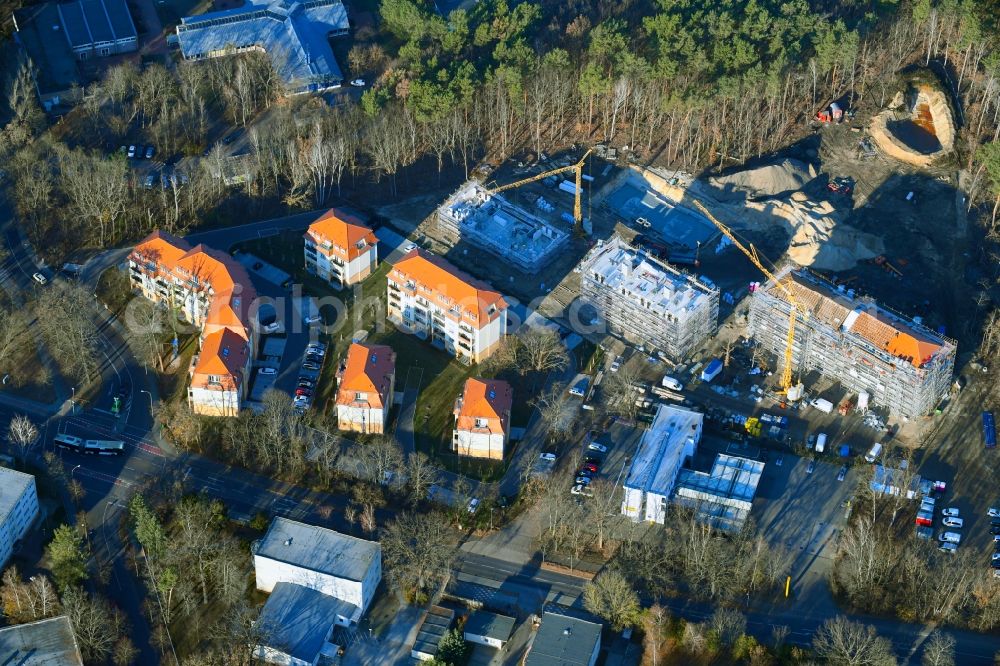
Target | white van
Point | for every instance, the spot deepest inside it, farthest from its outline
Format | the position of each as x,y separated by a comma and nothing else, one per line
950,537
672,384
820,442
873,453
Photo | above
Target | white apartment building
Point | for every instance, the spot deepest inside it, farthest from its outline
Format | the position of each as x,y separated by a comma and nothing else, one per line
365,388
647,302
18,509
340,248
430,298
670,441
482,418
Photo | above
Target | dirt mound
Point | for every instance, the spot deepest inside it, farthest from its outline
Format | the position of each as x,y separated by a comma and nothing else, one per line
766,181
918,127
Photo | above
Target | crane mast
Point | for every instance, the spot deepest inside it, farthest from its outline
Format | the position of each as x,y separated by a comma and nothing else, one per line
792,392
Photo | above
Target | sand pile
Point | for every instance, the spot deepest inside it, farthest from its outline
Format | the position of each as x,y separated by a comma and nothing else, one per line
762,182
917,128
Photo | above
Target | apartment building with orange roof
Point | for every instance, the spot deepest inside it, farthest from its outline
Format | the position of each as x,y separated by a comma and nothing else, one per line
482,419
430,298
366,381
213,292
340,248
898,362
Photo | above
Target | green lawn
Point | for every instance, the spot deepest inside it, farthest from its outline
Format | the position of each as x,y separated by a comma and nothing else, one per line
441,377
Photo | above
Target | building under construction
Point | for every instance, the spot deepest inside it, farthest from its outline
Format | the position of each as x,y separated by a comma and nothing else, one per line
899,363
508,231
645,301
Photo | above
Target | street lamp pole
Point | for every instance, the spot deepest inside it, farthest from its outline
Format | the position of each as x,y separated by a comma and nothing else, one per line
72,400
150,399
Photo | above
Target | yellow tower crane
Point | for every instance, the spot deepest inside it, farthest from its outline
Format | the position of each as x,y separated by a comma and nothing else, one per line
575,168
793,393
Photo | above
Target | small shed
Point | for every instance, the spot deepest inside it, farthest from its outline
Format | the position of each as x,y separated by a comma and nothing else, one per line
436,624
489,629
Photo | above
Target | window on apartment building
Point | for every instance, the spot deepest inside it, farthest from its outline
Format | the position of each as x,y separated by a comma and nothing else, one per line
360,397
481,423
215,380
361,244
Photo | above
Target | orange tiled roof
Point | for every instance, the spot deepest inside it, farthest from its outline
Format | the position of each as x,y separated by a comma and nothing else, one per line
489,399
896,342
228,317
366,370
224,354
456,286
343,230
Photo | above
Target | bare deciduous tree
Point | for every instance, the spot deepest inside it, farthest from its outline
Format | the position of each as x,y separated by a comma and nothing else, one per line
611,597
939,650
23,435
542,350
842,642
418,551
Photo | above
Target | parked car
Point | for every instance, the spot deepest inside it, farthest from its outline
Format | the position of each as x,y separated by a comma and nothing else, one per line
950,537
952,522
594,446
592,459
780,461
591,466
580,489
672,383
358,83
995,529
267,371
410,247
303,391
39,278
310,366
273,327
473,505
812,467
304,383
993,513
842,474
585,472
313,318
150,151
131,150
950,512
583,480
551,457
616,364
947,547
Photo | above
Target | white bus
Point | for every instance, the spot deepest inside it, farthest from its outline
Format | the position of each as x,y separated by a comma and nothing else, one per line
94,447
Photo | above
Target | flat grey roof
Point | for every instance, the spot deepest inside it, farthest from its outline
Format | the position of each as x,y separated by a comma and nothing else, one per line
12,486
318,549
563,641
55,63
44,643
293,34
296,620
732,477
435,625
88,22
490,625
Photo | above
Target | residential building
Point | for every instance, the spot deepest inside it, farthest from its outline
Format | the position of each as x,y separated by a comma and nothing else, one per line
213,292
482,419
901,364
334,564
57,35
646,302
340,248
365,388
49,642
670,441
18,509
494,224
488,629
430,298
562,640
294,35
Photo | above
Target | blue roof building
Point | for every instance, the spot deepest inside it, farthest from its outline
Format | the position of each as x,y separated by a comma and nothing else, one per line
294,35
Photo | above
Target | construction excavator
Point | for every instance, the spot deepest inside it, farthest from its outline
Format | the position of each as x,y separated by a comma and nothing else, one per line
577,169
792,392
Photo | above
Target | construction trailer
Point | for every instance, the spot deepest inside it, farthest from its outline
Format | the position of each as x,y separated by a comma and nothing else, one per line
646,302
900,364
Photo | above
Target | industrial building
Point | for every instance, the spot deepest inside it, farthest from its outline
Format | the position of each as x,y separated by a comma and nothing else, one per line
646,302
724,496
18,509
671,440
658,475
901,364
493,223
294,35
430,298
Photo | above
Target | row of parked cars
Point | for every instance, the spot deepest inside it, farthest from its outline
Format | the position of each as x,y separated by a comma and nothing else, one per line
305,387
589,468
949,539
137,151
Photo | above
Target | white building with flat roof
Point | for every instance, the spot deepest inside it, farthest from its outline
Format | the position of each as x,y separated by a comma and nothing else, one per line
647,302
670,441
18,509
